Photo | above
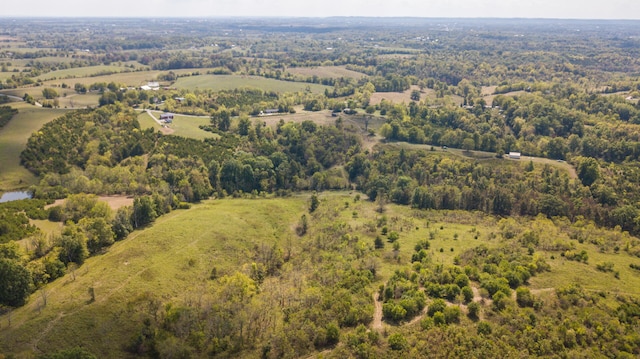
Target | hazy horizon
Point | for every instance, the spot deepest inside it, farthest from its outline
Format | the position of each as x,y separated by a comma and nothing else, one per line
490,9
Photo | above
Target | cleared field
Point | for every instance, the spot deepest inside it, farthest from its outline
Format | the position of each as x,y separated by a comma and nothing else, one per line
326,72
183,125
44,60
6,75
13,139
489,98
90,71
114,202
481,155
68,98
74,100
35,92
137,78
322,118
230,82
488,90
401,97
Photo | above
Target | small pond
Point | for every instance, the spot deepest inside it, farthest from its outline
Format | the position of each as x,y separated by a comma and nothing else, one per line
14,196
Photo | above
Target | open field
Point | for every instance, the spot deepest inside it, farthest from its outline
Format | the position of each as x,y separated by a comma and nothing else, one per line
13,139
74,100
489,98
170,262
488,90
405,97
134,79
68,97
326,72
89,71
323,117
183,125
153,262
114,202
488,156
230,82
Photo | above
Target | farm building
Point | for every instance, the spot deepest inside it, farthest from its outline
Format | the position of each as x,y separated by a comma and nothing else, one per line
269,111
150,86
514,155
166,117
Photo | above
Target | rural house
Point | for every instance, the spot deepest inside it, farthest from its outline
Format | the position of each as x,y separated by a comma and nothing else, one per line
166,117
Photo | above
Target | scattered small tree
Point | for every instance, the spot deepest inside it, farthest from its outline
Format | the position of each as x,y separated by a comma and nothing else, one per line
314,203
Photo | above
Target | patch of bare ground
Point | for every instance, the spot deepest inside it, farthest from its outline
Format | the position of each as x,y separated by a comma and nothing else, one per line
488,90
377,313
115,202
318,117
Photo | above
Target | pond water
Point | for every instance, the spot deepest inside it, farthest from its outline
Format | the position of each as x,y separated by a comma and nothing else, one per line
14,196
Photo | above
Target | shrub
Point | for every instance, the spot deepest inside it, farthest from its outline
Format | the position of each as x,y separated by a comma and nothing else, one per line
452,314
484,328
474,310
437,305
397,341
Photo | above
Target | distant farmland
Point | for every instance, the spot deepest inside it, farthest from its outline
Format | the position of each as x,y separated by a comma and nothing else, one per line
230,82
82,72
326,72
13,139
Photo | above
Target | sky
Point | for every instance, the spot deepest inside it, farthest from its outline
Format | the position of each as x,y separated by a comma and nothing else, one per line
564,9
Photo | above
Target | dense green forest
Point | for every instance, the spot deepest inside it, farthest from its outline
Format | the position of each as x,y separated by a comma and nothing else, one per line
378,216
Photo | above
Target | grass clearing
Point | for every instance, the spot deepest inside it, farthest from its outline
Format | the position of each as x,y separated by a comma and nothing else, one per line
489,156
13,139
135,79
74,100
230,82
89,71
405,97
326,72
183,125
489,97
170,260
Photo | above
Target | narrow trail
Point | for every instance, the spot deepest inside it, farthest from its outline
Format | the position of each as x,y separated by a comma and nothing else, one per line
34,344
377,313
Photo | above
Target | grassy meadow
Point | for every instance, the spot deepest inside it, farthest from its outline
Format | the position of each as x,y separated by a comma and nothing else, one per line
183,125
172,261
13,139
326,72
89,71
230,82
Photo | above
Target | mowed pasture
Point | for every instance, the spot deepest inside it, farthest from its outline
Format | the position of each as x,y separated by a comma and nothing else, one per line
182,125
89,71
326,72
230,82
13,139
76,101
